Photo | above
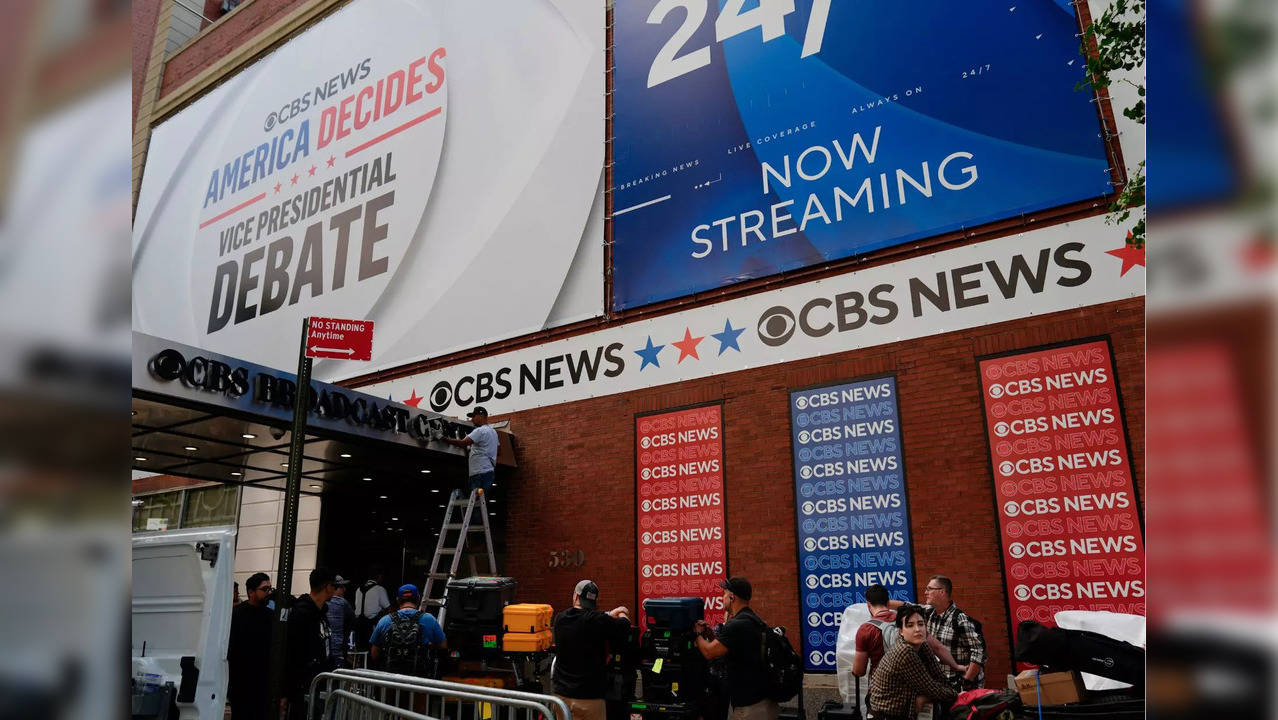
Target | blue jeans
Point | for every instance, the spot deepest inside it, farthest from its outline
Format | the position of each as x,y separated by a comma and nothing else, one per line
482,481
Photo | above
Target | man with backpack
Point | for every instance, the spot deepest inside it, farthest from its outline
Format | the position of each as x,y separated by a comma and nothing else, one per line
371,604
877,635
957,631
404,639
741,642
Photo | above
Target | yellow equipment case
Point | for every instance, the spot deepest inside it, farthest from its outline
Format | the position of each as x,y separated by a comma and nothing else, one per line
527,642
526,618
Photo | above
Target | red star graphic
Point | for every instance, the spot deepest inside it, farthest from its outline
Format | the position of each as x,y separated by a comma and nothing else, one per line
277,187
1131,257
330,160
295,178
312,170
688,345
413,399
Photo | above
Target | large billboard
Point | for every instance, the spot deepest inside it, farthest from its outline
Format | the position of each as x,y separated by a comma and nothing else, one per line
681,534
852,518
383,166
1067,507
753,141
1060,267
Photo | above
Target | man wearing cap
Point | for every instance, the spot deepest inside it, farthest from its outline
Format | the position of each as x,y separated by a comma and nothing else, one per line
341,618
409,661
582,638
482,442
308,639
740,641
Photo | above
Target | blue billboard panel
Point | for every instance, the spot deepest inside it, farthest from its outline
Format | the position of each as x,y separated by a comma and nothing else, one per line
748,142
853,524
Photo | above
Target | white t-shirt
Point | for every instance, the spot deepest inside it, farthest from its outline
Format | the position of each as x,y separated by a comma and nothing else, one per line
483,454
376,601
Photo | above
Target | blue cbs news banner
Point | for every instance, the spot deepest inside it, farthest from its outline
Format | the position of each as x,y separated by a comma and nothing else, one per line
753,137
853,525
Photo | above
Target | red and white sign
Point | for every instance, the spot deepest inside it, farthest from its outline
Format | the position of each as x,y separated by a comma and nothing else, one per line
682,535
1070,525
337,338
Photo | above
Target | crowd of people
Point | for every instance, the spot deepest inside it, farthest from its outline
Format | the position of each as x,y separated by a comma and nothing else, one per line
321,630
912,654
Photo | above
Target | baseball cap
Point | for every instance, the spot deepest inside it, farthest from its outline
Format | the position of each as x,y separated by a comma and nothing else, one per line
738,586
339,580
588,591
407,590
477,410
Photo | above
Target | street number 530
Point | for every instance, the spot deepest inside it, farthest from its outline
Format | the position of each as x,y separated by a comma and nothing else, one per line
769,17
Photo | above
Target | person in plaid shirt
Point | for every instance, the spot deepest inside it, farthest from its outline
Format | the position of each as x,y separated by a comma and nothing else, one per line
956,631
907,678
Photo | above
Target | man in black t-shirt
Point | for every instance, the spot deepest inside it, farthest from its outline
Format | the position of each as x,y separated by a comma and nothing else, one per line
582,638
248,652
741,643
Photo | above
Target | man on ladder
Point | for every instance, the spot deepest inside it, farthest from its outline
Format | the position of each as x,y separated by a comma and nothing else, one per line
482,442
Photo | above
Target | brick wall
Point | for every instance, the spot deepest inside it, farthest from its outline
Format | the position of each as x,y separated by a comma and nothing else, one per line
575,487
145,15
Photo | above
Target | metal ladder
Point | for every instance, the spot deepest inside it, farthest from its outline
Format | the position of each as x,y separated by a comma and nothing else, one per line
476,500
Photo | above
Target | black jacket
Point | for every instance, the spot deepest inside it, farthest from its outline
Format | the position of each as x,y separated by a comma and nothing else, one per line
308,634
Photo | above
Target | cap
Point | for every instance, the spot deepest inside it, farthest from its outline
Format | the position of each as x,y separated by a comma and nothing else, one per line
407,590
738,586
588,592
339,580
477,410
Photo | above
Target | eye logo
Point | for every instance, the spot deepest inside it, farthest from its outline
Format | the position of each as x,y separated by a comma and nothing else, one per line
776,326
441,396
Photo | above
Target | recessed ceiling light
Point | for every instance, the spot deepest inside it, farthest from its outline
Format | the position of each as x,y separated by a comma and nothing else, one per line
236,474
394,518
248,436
383,497
494,484
192,448
441,506
434,489
425,472
346,455
368,479
140,459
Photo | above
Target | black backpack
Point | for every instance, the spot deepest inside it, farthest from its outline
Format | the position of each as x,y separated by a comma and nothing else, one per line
781,664
404,651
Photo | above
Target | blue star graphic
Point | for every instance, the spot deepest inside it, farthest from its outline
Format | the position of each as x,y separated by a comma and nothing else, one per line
728,338
649,354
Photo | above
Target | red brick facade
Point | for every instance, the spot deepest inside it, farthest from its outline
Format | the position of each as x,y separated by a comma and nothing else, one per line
576,483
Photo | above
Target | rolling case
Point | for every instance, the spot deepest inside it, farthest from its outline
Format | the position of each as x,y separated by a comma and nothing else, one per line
1080,650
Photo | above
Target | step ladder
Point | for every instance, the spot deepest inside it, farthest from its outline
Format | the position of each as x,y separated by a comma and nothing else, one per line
436,578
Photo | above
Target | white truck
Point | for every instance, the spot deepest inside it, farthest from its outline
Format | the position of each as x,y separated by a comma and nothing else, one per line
182,592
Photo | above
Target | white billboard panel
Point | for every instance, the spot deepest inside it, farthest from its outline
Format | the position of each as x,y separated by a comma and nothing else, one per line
435,167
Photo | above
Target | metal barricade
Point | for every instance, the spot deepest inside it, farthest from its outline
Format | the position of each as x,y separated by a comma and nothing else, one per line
373,695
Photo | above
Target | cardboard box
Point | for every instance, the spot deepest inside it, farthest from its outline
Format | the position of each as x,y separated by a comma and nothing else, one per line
1058,688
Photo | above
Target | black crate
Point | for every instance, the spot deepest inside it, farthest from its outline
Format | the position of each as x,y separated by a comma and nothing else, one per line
678,681
669,644
679,613
476,604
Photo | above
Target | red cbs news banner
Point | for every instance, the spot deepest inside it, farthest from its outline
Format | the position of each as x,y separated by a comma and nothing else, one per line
682,540
1071,532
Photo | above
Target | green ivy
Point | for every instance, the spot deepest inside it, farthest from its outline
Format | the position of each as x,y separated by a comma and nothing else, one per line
1119,38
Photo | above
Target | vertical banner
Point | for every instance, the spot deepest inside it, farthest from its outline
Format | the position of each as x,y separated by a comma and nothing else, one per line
1071,535
682,540
853,524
